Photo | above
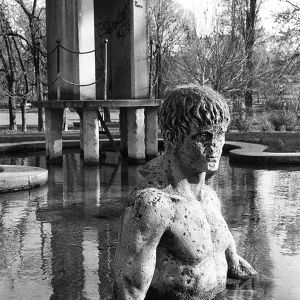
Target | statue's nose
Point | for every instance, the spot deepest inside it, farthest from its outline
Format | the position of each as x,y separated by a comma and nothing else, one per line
212,147
212,143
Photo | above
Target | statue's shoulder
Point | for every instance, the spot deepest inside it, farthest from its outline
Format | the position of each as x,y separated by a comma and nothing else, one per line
153,176
148,196
151,207
153,167
151,189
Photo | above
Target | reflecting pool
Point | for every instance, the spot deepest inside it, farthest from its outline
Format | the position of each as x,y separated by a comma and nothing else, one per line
58,241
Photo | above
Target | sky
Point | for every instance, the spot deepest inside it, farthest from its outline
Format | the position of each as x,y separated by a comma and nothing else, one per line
204,11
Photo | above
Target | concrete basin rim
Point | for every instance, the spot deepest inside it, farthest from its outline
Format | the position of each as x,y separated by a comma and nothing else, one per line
255,153
17,178
238,150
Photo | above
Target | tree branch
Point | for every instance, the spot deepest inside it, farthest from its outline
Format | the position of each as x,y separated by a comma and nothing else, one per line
23,6
293,4
15,34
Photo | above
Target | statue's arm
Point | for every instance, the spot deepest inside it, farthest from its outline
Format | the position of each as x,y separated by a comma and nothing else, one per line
142,226
237,267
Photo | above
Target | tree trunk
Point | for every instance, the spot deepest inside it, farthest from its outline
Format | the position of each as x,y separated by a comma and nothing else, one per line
41,118
158,73
233,19
12,105
41,110
23,111
38,85
12,113
249,45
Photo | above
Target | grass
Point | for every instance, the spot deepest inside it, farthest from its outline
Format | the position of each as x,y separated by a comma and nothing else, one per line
276,141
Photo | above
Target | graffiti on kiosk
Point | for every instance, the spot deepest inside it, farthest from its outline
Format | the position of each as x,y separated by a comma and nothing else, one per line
120,26
137,4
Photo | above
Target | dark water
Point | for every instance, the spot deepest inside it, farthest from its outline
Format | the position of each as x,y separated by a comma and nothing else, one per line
58,241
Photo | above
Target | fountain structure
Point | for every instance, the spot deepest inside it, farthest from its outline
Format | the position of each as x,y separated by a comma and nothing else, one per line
80,36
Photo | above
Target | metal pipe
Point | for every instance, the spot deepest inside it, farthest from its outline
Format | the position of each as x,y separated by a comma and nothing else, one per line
150,69
38,79
58,69
105,69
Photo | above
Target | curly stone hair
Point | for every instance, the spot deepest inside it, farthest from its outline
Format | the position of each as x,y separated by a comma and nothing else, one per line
184,105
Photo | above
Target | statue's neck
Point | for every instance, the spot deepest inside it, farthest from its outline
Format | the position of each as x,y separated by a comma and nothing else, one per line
182,179
191,189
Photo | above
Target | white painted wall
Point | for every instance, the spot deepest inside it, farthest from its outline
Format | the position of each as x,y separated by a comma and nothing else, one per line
87,69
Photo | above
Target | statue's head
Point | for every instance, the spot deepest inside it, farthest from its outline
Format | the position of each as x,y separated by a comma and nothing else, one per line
193,121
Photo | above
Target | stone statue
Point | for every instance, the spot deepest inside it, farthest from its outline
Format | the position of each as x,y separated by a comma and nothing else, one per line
173,240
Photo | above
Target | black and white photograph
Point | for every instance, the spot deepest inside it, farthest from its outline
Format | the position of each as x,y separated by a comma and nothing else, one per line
149,149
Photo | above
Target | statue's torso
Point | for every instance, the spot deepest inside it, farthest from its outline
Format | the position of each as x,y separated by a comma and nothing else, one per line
190,257
191,261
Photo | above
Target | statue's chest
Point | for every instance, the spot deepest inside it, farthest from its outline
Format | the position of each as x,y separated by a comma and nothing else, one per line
198,229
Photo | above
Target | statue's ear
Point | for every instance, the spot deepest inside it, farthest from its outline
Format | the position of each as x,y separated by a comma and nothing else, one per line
168,138
168,135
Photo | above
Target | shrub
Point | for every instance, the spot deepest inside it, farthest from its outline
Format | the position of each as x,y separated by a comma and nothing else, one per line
3,103
274,104
262,120
241,122
244,125
283,120
266,125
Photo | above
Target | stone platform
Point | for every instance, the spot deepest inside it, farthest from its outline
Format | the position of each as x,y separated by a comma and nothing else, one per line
16,178
111,103
138,127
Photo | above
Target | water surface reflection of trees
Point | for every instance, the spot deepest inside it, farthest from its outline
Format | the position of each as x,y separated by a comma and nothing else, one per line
62,237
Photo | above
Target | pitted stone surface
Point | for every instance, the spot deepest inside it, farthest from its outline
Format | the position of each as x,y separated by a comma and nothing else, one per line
15,178
173,240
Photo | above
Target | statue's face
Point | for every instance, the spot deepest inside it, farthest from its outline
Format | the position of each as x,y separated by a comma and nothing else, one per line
202,148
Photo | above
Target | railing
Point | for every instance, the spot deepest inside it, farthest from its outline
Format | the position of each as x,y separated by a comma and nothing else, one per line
59,78
104,45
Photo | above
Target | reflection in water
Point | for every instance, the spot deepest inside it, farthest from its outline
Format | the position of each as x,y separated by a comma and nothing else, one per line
23,264
58,241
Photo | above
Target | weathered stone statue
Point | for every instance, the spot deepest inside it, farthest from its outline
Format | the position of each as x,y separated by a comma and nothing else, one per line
173,241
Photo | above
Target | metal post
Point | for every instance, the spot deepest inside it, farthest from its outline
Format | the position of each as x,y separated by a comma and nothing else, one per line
150,71
41,117
38,82
105,69
158,70
58,70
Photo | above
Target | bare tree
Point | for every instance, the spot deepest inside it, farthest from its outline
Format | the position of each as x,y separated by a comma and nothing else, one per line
35,19
15,59
217,60
8,61
25,89
249,36
170,30
243,16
